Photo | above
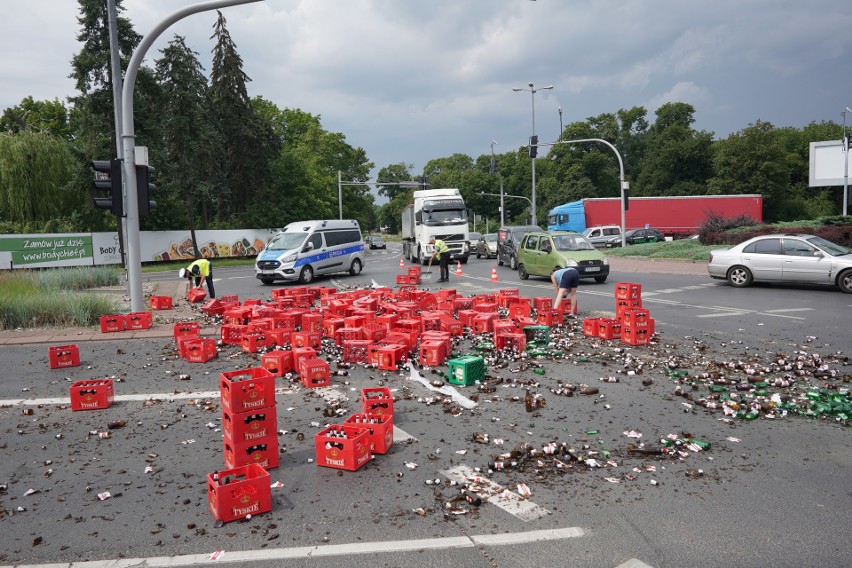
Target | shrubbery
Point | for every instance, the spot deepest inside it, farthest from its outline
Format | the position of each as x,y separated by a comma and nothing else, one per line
718,230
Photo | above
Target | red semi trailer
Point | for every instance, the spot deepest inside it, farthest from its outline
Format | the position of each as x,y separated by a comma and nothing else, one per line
677,216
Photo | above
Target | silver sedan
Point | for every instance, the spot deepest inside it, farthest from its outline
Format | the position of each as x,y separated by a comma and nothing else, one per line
784,258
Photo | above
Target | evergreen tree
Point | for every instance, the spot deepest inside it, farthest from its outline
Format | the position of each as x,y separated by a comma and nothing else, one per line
248,143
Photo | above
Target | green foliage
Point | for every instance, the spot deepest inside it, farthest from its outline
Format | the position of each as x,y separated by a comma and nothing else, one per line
79,278
49,117
684,249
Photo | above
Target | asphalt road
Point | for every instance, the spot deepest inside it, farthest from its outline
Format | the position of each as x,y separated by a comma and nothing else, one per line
768,492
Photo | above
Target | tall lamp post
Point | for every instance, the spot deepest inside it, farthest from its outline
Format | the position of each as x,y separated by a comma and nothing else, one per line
560,123
495,170
507,195
533,141
845,163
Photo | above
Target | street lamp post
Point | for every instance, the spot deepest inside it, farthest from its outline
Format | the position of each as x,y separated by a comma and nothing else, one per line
845,163
532,90
560,123
494,169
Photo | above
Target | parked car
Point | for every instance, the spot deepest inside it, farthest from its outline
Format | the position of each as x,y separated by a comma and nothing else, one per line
487,246
605,236
542,251
638,236
473,237
375,242
508,239
784,258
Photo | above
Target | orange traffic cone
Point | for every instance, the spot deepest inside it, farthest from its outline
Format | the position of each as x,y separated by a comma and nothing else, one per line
494,274
401,263
458,269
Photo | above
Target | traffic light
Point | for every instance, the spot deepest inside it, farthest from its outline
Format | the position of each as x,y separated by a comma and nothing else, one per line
533,146
108,179
144,188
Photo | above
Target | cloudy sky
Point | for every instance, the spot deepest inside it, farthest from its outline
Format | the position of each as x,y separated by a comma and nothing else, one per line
412,80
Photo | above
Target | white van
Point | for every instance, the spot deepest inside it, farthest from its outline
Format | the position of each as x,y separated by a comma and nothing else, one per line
305,249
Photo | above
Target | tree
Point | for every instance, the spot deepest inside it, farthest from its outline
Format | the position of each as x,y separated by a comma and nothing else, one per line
190,140
753,161
677,159
394,174
35,168
248,143
42,116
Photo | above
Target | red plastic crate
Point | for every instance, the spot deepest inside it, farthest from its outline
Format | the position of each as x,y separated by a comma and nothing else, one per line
182,342
373,332
330,326
636,317
161,302
254,341
200,350
232,334
348,453
263,452
549,318
62,356
246,389
377,400
628,291
467,316
312,322
92,394
315,373
410,323
279,363
113,323
213,307
379,427
514,341
636,335
230,299
261,324
236,493
387,357
460,304
502,326
240,315
520,309
138,320
186,328
387,321
307,339
357,351
542,303
280,337
400,337
195,295
344,335
251,302
609,328
430,321
450,325
238,427
483,323
354,321
432,352
621,305
301,354
590,327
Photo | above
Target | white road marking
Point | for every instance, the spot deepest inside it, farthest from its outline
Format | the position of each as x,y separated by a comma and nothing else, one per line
721,314
788,310
387,547
634,563
493,493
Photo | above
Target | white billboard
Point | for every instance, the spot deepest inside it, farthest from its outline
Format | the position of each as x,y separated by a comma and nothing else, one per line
827,164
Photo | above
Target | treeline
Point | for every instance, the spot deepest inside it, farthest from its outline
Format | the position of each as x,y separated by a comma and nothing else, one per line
225,160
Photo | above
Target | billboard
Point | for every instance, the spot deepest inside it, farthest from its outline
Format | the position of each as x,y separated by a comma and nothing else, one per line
827,164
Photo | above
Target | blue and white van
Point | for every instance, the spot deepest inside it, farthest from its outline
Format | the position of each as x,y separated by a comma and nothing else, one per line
305,249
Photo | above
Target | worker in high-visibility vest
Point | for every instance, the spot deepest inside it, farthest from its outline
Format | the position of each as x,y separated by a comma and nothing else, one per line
442,253
202,271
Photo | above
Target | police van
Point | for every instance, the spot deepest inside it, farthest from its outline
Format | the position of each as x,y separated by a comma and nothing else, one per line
305,249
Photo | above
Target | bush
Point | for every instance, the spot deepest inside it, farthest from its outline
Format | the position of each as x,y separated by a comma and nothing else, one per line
713,229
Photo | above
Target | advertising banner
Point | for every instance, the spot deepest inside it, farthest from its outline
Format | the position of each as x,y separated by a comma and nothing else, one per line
79,249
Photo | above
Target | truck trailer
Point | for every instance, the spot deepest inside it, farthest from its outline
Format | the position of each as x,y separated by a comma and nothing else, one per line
438,213
674,216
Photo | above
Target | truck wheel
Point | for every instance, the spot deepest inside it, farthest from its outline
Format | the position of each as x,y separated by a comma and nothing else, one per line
463,261
267,281
740,276
478,256
522,272
307,275
844,282
355,269
513,263
499,261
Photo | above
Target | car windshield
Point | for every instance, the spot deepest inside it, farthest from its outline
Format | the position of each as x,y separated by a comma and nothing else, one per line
286,241
491,238
828,246
572,242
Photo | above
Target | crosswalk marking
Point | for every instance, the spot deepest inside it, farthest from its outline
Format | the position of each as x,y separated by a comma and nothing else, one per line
510,502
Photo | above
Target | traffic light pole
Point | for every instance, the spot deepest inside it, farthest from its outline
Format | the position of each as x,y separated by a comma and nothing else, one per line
128,143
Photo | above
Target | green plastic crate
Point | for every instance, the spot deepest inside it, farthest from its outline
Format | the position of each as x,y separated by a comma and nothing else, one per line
466,370
537,335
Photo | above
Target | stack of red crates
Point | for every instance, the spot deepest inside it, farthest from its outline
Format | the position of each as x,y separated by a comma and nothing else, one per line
249,420
637,326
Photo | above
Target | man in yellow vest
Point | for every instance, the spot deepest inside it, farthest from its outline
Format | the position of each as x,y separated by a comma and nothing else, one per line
442,253
202,271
